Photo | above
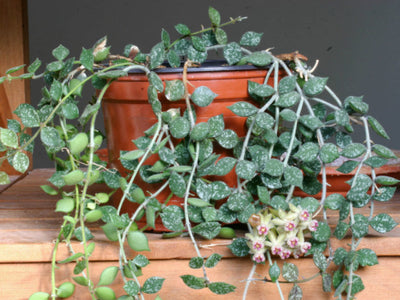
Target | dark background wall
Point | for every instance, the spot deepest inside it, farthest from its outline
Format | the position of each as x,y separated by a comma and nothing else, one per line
357,42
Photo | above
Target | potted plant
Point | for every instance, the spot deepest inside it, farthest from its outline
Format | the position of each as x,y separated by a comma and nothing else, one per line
256,164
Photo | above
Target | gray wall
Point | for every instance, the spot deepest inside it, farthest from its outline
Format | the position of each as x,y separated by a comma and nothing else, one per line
357,42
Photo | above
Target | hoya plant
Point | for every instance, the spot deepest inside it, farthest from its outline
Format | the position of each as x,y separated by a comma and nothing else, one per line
296,126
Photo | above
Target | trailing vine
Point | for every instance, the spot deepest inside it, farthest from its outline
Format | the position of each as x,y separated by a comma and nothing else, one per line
296,126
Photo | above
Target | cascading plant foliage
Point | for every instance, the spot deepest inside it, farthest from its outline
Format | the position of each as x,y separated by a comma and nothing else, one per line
296,127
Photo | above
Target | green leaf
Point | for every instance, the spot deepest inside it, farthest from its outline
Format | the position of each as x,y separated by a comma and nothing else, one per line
212,260
65,290
383,223
339,256
105,293
152,285
342,117
65,205
4,178
323,232
288,115
137,240
377,127
307,152
334,201
156,81
8,138
228,139
208,230
357,285
157,55
180,127
288,99
366,257
165,38
239,247
274,272
320,260
353,150
177,184
386,180
194,282
232,53
224,166
315,85
250,38
221,288
295,293
51,138
287,84
60,52
309,203
20,162
28,115
348,166
171,217
273,167
14,125
199,131
182,29
384,193
83,281
55,66
264,120
173,59
243,109
113,74
131,288
214,16
259,59
14,69
108,276
356,104
383,151
246,169
216,125
329,153
196,262
203,96
220,190
360,226
221,36
238,201
290,272
375,161
34,66
87,58
257,90
56,90
174,90
311,122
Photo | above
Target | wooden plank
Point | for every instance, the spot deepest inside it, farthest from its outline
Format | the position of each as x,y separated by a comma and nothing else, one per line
19,281
14,51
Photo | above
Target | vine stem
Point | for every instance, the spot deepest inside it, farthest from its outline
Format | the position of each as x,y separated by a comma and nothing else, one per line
249,280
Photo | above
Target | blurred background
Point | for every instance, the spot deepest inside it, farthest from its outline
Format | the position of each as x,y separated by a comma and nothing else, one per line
357,42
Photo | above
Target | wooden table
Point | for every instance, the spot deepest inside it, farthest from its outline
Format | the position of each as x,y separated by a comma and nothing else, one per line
28,226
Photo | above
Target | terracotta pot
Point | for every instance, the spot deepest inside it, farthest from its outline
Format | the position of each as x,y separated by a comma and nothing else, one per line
337,180
128,114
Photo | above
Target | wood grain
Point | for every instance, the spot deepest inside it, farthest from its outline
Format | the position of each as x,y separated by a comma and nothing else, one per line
28,225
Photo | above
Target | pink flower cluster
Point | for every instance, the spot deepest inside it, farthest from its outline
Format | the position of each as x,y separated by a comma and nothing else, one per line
280,232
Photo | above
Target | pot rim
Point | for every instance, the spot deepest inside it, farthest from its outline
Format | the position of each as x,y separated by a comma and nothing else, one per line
212,65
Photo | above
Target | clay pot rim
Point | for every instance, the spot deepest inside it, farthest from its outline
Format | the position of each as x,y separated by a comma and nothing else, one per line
211,65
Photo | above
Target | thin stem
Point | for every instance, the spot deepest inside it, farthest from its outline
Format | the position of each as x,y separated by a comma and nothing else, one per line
249,280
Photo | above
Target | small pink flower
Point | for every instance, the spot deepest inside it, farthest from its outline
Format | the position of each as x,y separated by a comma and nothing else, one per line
313,225
290,226
285,253
293,242
276,250
305,247
304,215
258,245
262,230
259,257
